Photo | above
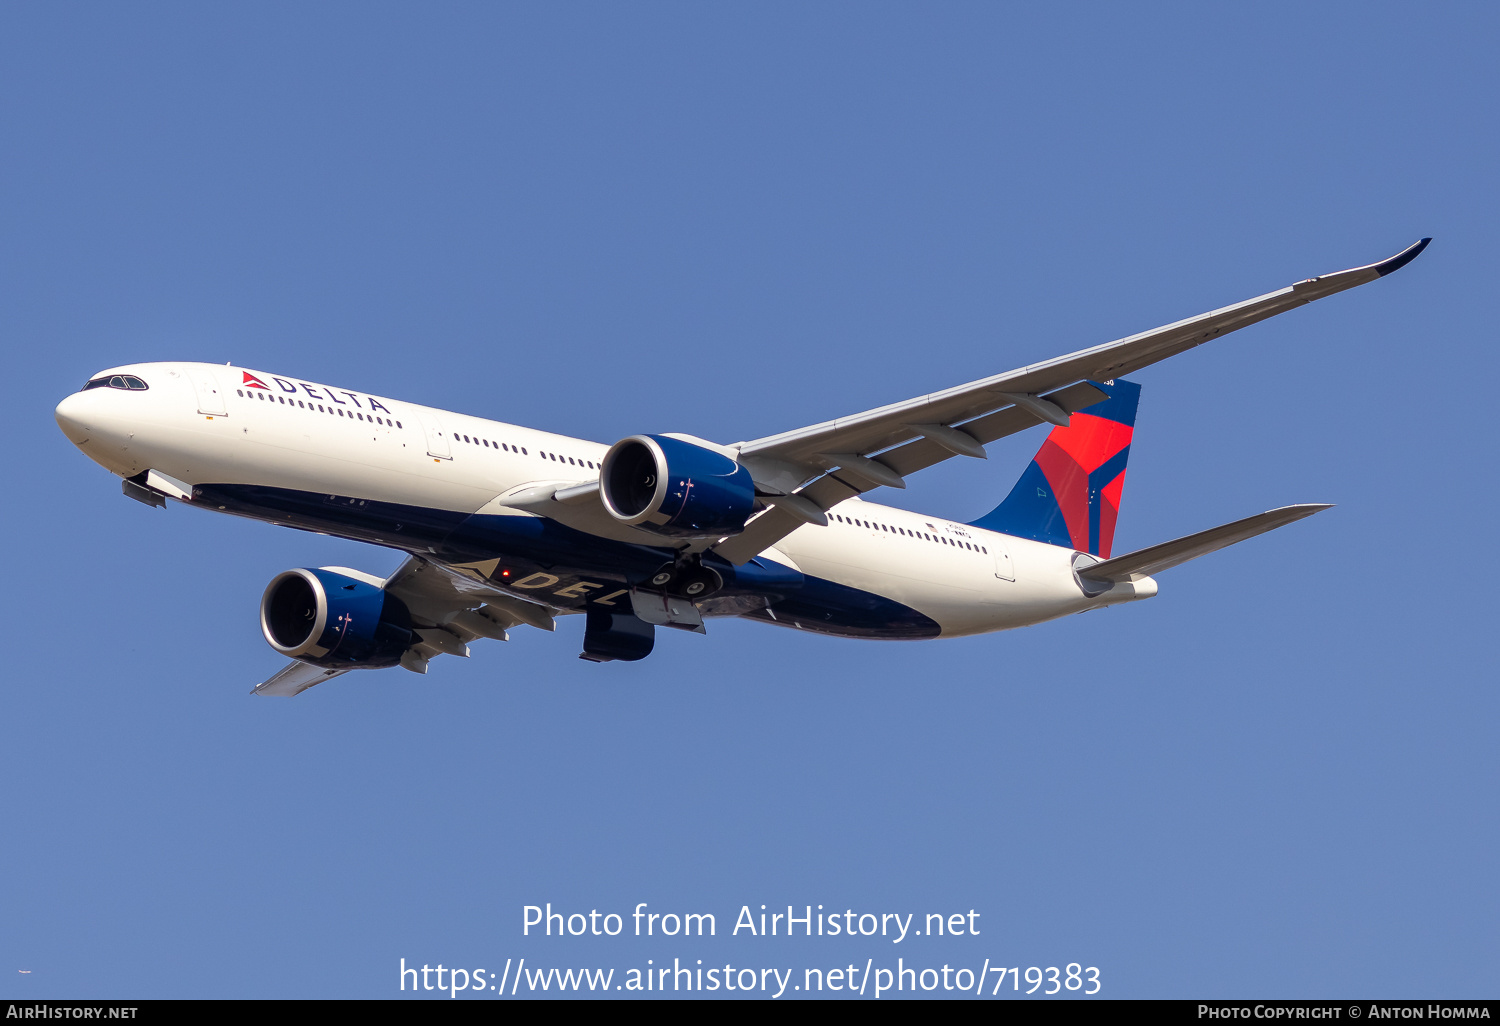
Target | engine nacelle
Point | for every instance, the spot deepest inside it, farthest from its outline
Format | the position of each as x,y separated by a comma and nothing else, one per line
330,619
675,488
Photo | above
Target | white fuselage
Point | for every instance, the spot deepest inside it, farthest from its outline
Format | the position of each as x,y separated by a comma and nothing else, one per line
202,424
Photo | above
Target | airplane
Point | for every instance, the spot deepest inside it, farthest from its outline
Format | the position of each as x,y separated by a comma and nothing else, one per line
505,526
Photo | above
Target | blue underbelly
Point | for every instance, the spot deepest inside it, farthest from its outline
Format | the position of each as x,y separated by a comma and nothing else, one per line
547,561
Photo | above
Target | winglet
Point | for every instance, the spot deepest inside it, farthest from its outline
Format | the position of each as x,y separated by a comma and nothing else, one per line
1402,258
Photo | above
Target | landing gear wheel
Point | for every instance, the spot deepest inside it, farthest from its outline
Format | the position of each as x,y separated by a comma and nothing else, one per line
663,577
698,582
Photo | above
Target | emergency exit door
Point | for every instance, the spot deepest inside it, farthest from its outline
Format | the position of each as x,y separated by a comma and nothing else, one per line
1003,567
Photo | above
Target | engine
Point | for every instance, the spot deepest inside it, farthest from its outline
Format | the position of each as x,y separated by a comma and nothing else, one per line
675,488
333,620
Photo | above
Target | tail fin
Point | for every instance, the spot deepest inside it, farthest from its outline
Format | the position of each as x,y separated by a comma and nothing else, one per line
1070,495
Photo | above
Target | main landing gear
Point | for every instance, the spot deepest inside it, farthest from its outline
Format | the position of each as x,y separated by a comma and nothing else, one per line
690,580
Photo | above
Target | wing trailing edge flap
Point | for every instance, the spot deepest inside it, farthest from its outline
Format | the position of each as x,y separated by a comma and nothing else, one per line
1156,558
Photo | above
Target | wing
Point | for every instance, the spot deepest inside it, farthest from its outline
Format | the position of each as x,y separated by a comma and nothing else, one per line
814,468
454,605
450,606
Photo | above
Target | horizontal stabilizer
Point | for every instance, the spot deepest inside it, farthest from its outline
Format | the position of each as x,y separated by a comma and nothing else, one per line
295,678
1144,562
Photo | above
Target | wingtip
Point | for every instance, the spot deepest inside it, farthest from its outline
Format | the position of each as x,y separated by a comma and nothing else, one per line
1402,258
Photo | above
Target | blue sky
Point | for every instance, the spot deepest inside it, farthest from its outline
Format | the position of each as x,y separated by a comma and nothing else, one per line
1277,778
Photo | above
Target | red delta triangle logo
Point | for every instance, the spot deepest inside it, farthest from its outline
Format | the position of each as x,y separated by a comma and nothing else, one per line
1085,465
251,381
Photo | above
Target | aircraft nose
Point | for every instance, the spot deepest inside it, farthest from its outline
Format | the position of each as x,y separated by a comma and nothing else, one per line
72,417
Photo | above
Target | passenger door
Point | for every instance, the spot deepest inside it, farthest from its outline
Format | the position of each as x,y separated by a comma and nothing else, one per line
437,439
210,399
1004,569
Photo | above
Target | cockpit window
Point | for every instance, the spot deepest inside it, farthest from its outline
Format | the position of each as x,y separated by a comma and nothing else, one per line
128,382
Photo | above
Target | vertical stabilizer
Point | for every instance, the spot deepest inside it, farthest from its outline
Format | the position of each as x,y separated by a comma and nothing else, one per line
1070,495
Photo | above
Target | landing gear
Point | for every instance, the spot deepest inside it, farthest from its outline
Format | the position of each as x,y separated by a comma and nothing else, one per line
697,582
689,580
